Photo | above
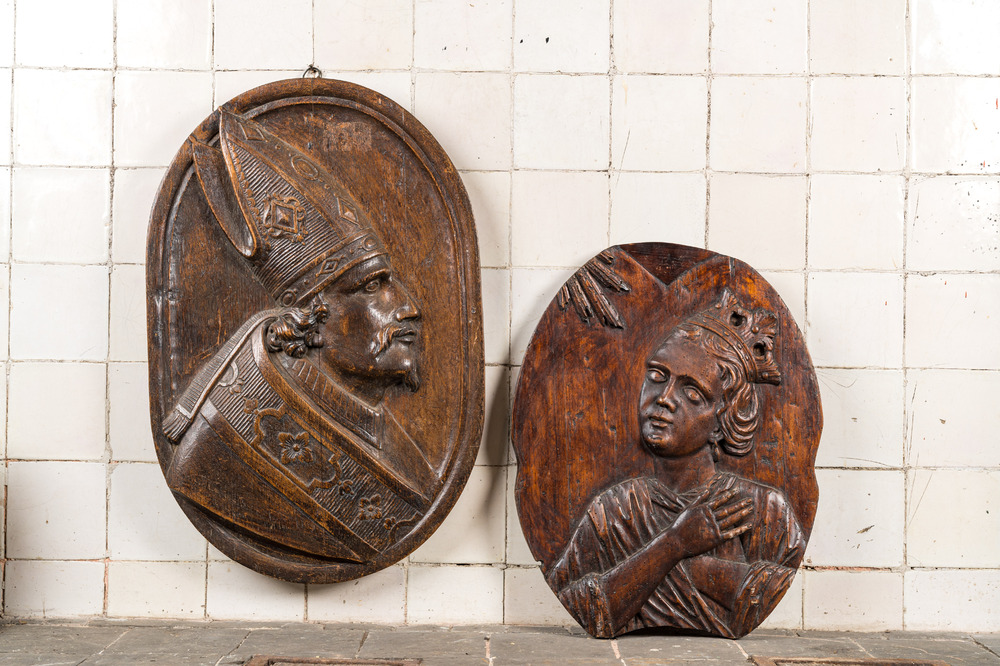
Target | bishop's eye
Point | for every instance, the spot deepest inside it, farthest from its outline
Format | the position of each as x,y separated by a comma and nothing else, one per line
656,375
373,285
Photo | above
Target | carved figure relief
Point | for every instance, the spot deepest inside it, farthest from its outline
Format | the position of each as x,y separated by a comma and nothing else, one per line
315,331
665,458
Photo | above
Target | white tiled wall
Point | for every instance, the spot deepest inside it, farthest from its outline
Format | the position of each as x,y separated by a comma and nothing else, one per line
849,149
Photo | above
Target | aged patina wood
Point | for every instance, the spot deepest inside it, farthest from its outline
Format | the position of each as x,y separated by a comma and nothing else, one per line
666,421
315,330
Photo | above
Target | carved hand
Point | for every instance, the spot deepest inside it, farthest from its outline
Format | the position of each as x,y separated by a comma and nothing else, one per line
707,523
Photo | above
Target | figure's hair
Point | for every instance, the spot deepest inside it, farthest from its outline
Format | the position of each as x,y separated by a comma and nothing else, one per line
296,330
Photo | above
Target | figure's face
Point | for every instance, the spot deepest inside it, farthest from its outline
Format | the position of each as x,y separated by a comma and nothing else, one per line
372,333
680,398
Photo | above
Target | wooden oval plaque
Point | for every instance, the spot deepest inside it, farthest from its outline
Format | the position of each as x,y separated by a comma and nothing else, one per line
666,422
315,331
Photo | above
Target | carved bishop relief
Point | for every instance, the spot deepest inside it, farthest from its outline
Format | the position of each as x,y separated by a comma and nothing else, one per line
665,457
315,336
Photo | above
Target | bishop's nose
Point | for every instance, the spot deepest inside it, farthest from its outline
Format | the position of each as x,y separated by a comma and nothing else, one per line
408,310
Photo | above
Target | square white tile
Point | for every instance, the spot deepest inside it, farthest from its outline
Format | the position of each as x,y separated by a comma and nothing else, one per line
156,111
165,34
862,418
134,193
952,421
6,33
856,319
489,194
532,289
955,37
661,36
758,124
56,510
666,207
65,298
469,114
965,337
496,314
659,123
858,124
758,219
856,222
64,33
759,36
237,593
558,218
5,213
460,35
378,598
561,122
61,215
473,532
496,428
859,520
454,595
955,126
853,600
62,117
562,36
156,589
857,37
53,589
955,600
74,391
528,599
129,431
364,35
128,313
257,34
938,535
144,520
952,224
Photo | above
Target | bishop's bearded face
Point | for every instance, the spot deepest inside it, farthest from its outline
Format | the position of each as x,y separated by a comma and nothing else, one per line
372,335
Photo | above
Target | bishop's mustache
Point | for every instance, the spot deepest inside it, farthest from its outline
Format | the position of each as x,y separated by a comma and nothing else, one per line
385,336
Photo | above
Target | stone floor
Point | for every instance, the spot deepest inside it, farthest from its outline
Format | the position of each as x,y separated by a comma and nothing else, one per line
108,643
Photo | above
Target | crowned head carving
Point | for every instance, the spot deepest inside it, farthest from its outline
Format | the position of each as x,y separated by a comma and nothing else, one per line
700,386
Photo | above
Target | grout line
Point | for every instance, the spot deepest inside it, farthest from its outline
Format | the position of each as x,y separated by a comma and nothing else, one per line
908,165
106,457
805,240
7,365
707,171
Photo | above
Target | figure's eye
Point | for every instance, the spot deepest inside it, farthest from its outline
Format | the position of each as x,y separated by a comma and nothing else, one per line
656,375
373,285
694,395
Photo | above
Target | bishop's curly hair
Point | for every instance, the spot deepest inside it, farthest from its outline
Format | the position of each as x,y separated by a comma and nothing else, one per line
296,330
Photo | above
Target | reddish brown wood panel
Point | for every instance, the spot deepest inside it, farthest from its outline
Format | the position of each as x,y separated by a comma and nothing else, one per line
666,422
315,330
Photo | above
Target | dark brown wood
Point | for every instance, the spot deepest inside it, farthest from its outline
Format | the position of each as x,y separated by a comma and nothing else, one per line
315,331
665,423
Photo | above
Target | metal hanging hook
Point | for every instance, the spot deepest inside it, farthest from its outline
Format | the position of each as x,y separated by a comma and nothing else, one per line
312,72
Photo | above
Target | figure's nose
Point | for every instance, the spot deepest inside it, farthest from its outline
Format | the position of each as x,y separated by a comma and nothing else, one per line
666,397
408,309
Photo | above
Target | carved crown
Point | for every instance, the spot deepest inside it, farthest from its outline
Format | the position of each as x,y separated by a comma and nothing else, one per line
750,333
